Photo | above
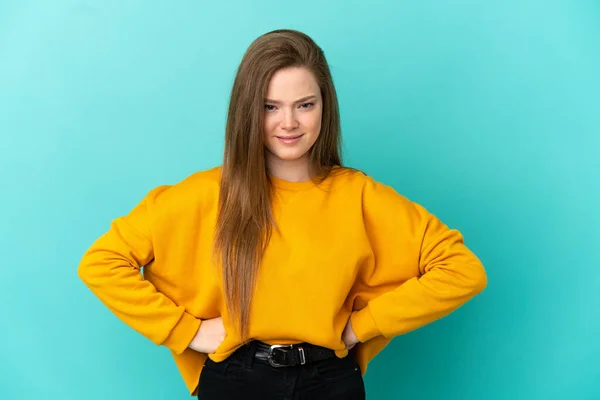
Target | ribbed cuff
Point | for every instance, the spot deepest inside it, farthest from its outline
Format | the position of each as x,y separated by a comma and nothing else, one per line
363,325
183,333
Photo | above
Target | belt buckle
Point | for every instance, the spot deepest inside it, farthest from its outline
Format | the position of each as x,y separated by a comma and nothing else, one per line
274,347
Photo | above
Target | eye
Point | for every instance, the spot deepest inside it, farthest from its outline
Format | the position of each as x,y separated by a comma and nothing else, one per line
269,107
307,105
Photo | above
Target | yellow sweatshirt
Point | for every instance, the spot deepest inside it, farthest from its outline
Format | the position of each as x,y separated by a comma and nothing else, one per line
348,248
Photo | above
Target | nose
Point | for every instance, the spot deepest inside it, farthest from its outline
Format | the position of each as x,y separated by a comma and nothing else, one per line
289,121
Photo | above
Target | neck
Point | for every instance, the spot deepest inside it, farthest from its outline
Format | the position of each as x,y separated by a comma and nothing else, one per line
292,170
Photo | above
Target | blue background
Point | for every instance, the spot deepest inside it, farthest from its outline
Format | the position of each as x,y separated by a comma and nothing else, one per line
487,113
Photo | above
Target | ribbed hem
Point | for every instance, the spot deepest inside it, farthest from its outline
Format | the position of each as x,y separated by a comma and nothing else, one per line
363,325
183,333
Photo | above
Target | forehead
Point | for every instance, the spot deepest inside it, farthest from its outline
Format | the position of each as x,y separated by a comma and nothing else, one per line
292,83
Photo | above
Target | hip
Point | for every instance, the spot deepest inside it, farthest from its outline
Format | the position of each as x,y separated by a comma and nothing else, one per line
259,371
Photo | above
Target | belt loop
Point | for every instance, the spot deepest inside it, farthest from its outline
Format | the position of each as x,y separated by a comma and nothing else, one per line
250,352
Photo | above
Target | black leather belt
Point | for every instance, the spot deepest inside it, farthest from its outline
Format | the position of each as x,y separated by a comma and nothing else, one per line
291,355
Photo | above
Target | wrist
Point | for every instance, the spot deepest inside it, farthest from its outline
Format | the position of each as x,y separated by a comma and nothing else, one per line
364,325
179,338
193,344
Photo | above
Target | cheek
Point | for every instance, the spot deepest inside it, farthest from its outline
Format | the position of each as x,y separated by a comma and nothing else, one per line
313,122
269,124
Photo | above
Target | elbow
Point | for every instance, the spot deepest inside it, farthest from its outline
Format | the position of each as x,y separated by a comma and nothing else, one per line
478,279
98,268
92,268
84,271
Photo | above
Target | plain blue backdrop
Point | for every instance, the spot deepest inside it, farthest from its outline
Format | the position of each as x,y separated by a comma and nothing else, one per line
487,113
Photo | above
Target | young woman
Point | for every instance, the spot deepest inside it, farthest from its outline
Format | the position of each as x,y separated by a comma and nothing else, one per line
281,273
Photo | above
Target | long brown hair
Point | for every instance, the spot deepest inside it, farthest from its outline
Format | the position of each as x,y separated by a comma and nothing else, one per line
245,218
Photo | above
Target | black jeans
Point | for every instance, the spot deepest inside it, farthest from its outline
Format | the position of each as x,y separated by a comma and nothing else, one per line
242,377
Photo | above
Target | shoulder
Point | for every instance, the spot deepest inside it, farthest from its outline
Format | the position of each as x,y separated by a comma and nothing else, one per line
368,186
201,181
199,186
379,199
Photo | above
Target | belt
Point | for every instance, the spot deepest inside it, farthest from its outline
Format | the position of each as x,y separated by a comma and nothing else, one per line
291,355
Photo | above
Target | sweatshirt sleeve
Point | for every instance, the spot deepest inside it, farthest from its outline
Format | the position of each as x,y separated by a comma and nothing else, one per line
111,270
406,238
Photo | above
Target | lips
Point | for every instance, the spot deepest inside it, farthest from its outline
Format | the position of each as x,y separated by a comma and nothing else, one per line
289,137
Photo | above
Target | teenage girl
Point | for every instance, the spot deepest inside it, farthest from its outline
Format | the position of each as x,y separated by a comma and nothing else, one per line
281,273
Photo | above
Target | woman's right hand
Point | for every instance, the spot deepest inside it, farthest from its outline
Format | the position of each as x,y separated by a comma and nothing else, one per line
209,337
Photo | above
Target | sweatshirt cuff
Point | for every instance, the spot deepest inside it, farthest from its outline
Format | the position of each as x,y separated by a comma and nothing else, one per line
183,333
363,325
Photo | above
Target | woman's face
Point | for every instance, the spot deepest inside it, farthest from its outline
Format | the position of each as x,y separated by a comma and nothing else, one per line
293,110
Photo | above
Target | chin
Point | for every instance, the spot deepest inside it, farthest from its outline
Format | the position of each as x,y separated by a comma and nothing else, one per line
290,155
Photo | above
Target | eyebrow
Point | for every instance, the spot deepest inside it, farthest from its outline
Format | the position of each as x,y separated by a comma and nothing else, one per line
296,102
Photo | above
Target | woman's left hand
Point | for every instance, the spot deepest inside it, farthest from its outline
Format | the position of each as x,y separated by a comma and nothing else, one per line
348,336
